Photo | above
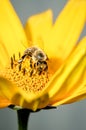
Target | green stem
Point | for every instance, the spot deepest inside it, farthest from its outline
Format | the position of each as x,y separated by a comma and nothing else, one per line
23,116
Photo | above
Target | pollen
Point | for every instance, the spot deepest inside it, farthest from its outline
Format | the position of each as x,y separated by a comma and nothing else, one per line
29,79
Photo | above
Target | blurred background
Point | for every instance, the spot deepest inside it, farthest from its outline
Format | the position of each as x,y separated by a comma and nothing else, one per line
65,117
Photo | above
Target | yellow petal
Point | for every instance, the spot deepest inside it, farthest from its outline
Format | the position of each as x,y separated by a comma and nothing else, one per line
76,96
4,56
19,97
12,35
4,102
38,25
70,75
60,41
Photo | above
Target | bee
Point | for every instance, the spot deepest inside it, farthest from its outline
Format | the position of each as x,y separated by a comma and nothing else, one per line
38,59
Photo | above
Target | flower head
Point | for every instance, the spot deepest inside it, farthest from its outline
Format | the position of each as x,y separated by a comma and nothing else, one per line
42,64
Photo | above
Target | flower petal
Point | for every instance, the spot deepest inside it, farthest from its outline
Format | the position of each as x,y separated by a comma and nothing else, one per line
68,78
59,42
4,102
19,97
38,25
4,56
12,35
76,96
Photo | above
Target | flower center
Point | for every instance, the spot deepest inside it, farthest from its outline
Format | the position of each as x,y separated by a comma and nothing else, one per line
27,72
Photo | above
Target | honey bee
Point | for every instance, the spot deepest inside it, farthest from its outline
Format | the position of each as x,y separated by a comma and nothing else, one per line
38,59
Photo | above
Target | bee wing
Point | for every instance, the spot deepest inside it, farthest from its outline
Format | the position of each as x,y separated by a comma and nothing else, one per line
38,44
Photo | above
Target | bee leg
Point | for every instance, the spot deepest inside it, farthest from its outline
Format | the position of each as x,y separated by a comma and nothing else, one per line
45,66
31,63
31,72
39,70
20,61
32,67
39,67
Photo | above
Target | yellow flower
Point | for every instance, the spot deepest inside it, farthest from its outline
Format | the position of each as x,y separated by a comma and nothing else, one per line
64,81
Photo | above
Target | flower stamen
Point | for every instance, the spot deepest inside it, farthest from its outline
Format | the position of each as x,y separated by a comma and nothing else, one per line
19,55
30,78
11,63
24,71
20,67
14,57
